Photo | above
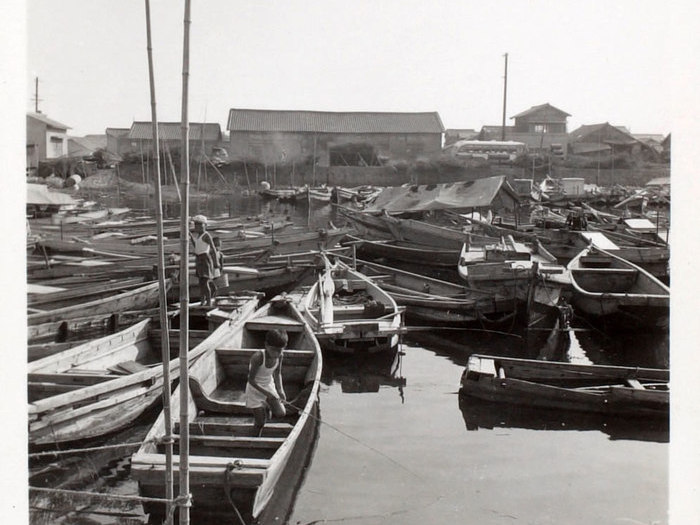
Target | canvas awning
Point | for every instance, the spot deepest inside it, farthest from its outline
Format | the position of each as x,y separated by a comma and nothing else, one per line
479,193
40,195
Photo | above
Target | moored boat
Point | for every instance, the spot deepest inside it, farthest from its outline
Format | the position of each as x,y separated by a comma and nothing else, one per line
351,313
145,296
433,300
628,391
605,284
232,473
103,385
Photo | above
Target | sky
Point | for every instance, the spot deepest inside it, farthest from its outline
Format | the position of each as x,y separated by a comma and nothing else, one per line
598,61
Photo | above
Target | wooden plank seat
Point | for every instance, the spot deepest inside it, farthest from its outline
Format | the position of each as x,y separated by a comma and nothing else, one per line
248,472
235,442
231,355
210,404
270,322
241,428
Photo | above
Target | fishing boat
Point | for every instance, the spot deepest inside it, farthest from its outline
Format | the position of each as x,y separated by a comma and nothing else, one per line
403,252
351,313
233,474
605,284
103,385
628,391
319,194
145,296
280,194
433,300
509,267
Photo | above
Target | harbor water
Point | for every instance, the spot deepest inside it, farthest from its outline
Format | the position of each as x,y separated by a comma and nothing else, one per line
397,444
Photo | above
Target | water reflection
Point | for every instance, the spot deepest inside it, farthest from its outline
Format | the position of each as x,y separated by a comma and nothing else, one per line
364,373
479,414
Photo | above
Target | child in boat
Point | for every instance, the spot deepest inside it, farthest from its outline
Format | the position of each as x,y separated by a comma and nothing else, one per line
264,392
206,259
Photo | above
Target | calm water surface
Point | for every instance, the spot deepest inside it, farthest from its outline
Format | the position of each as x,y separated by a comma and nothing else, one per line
397,445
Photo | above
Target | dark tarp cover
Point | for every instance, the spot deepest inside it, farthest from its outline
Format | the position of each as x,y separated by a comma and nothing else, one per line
479,193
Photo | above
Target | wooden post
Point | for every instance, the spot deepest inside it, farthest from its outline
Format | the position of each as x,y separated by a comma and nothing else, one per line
247,179
185,281
162,290
313,165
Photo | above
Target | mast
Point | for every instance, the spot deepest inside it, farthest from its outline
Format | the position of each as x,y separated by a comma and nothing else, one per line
184,280
162,292
505,89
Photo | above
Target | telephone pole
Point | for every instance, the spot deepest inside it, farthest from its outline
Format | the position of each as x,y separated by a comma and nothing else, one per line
505,89
36,95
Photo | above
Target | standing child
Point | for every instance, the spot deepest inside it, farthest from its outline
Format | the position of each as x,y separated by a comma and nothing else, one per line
264,391
206,259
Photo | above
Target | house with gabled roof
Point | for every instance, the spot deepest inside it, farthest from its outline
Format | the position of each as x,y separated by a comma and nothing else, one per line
46,139
541,128
203,137
604,138
333,138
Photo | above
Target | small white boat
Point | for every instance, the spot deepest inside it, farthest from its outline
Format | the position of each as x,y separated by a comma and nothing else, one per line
351,313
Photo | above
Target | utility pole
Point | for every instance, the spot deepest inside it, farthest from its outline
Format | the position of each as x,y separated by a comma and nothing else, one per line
36,95
505,90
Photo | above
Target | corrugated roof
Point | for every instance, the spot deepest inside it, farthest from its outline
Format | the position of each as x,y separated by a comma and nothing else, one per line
603,131
333,122
46,120
172,131
536,109
479,193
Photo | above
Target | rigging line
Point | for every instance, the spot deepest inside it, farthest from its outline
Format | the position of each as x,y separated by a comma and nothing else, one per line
88,449
353,438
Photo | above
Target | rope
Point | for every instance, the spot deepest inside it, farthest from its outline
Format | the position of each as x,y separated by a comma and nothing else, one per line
227,487
93,449
357,441
101,495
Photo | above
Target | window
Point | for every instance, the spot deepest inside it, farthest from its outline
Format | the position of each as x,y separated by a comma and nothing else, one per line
55,147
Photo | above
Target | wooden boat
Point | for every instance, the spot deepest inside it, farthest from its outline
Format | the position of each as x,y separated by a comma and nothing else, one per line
403,252
339,309
605,284
357,194
566,244
270,279
228,466
59,295
628,391
433,300
285,242
368,225
136,299
319,194
509,267
280,194
103,385
426,233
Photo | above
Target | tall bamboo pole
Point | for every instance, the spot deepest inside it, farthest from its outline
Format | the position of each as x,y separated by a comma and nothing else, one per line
185,278
162,293
505,90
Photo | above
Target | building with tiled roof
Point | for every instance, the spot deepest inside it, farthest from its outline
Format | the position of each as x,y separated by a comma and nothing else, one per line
334,138
541,128
603,138
139,138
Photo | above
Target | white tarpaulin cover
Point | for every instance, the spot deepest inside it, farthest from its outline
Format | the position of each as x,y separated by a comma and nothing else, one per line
41,195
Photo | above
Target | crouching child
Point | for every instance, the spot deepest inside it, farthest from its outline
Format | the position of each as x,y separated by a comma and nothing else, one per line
264,392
